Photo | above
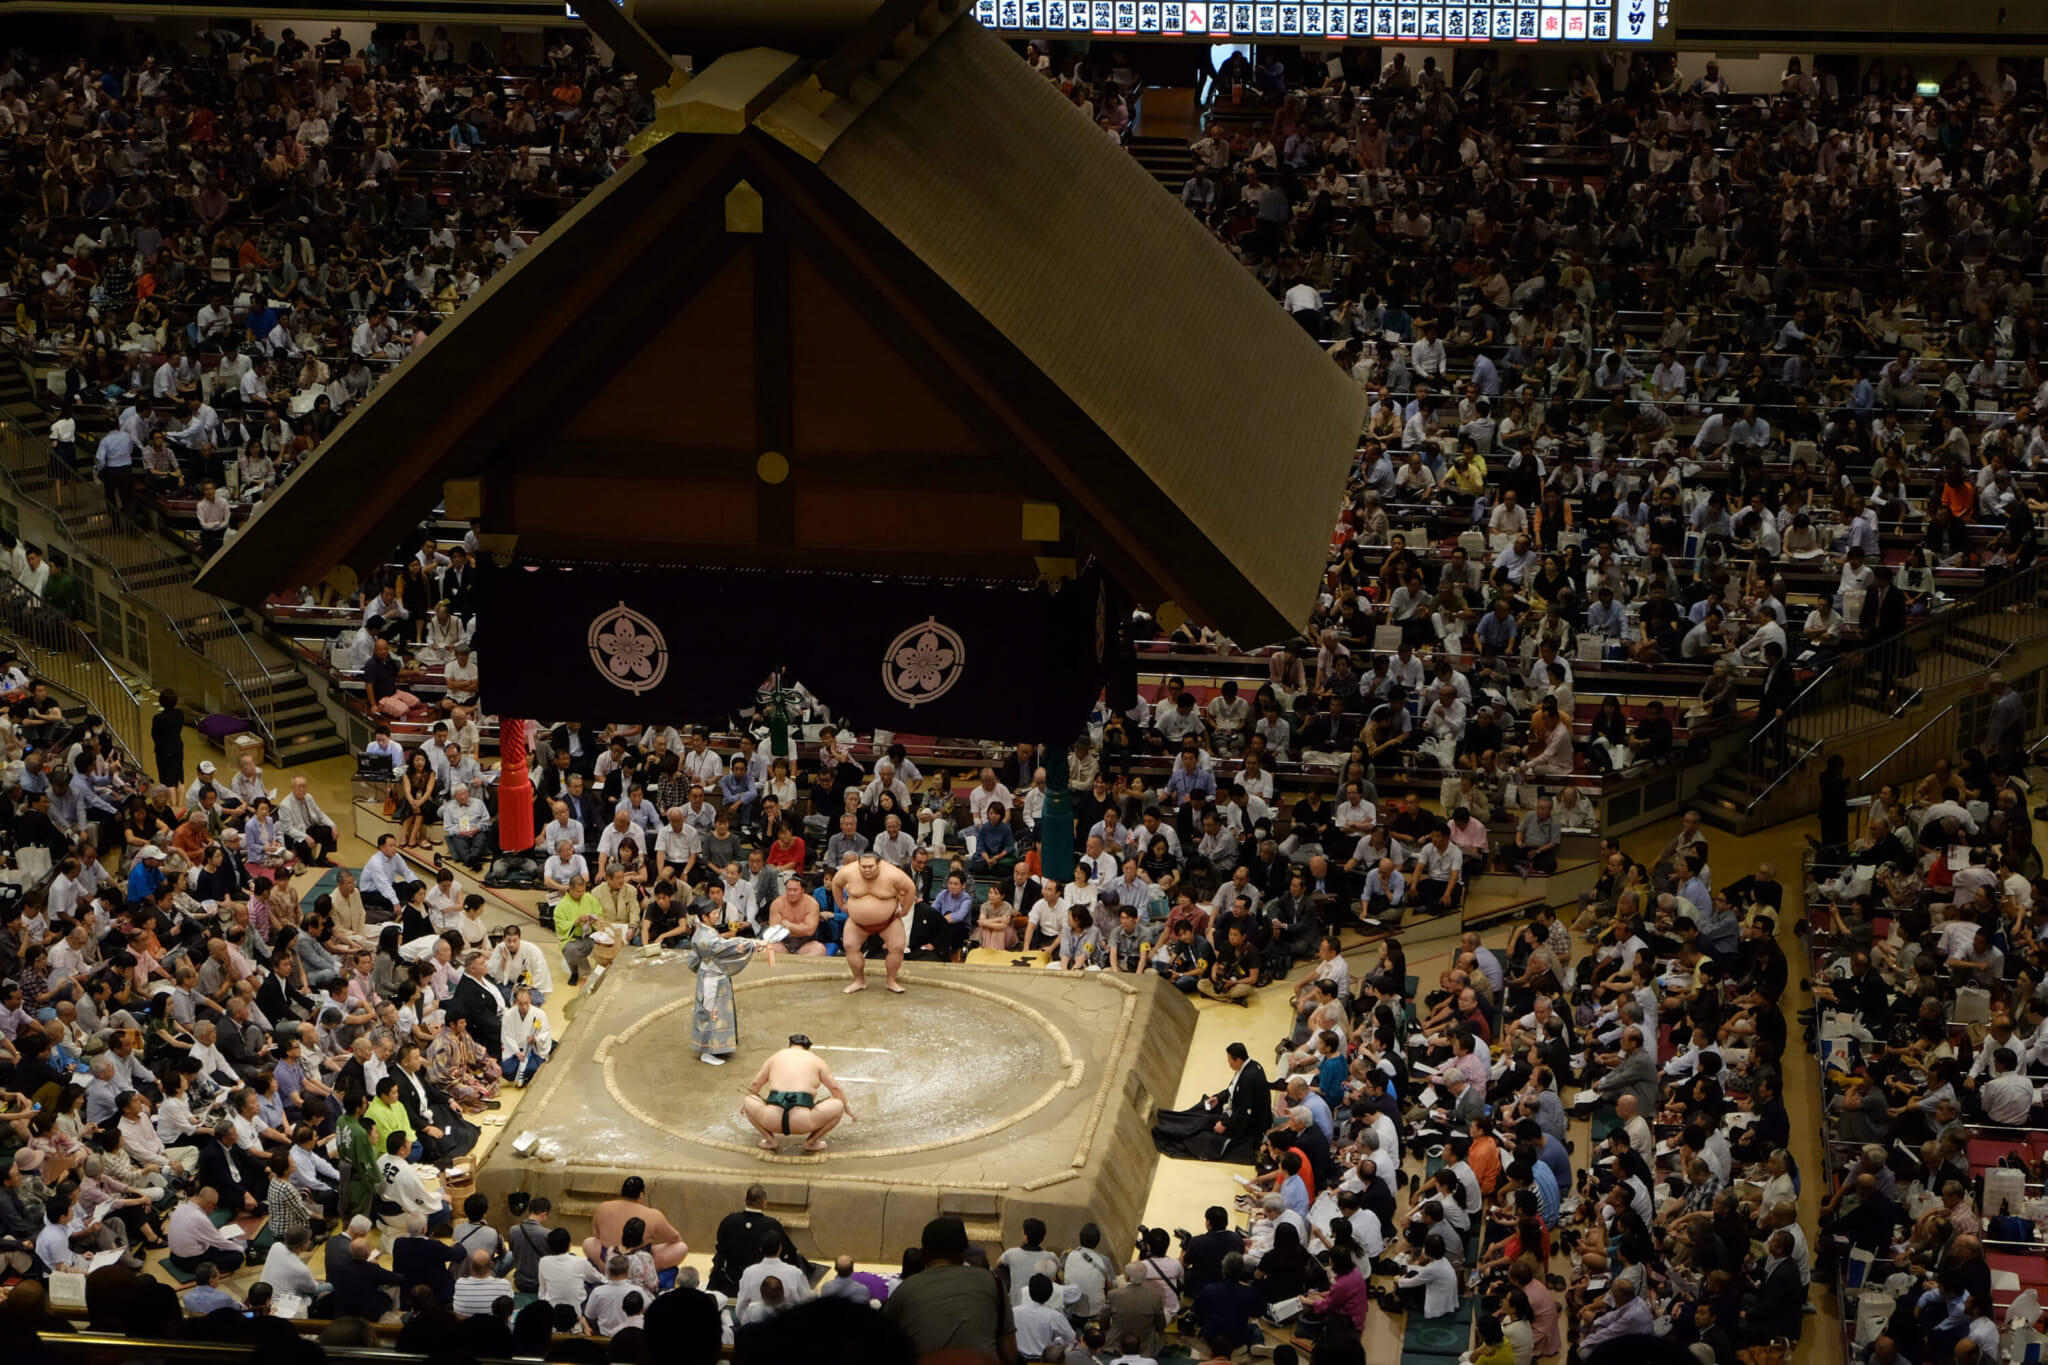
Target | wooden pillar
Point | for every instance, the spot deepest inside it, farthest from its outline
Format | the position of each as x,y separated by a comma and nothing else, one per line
515,788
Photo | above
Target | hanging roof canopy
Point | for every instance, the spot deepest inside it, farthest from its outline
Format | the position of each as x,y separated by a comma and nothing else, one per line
948,228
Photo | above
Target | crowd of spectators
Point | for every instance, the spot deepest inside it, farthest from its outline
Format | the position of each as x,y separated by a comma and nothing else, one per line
1412,1154
1932,1014
190,1031
220,246
1728,390
1655,1014
1219,889
1657,371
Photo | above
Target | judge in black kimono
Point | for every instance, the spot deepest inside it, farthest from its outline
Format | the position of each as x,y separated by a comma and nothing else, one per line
1226,1126
444,1133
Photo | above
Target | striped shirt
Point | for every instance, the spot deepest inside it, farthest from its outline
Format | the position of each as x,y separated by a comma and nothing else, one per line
474,1296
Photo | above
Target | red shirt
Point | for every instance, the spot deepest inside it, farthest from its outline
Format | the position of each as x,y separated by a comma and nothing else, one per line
1476,1020
791,857
1307,1173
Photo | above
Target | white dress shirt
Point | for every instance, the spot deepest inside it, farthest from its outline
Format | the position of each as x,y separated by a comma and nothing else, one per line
796,1288
383,873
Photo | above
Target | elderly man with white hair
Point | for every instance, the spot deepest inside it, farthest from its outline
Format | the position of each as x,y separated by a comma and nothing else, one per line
308,830
1270,1214
892,845
205,1050
885,780
285,1270
102,1093
1030,805
145,1145
1302,1096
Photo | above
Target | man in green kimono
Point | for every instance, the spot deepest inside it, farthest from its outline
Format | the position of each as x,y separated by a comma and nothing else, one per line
715,1024
357,1154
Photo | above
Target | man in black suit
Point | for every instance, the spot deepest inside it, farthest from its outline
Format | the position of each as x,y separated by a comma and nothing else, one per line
1775,1307
553,783
234,861
1296,918
1202,1255
458,583
738,1242
585,807
573,737
477,1000
417,1259
242,1043
1323,883
931,935
34,826
1017,772
1632,158
335,1254
1774,713
1226,1126
1022,889
1301,1131
361,1286
1884,609
1880,623
1707,1328
221,1169
444,1133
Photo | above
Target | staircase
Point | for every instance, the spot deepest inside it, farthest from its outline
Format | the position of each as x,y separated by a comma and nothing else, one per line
1952,658
1723,799
157,574
18,398
300,728
1166,158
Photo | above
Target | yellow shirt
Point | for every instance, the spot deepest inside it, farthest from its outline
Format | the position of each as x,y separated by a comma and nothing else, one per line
389,1118
570,909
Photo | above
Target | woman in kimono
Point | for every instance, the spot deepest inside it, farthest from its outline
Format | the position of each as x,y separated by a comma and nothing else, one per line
715,1024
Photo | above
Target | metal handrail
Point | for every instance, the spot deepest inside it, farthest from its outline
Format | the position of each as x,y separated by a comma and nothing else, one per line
1932,721
264,712
261,715
19,451
1793,765
57,651
1793,706
1996,598
1990,603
